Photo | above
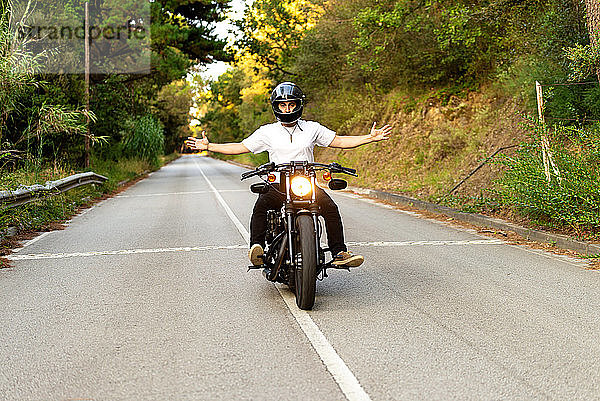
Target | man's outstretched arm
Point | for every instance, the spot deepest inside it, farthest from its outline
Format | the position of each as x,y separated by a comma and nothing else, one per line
235,148
353,141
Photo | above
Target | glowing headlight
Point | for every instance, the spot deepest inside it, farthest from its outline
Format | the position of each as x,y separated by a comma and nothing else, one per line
301,186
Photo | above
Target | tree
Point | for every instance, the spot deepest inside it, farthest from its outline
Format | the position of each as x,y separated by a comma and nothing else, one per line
181,36
29,119
173,107
272,30
593,24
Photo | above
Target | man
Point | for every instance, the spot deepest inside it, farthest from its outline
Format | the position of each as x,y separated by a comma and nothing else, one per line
293,139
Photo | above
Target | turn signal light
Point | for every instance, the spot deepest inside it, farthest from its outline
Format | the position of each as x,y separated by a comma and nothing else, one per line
327,175
271,178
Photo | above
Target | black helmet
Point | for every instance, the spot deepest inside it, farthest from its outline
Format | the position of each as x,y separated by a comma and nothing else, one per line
286,92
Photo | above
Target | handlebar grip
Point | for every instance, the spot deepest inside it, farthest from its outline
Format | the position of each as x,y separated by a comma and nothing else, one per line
350,170
267,166
248,174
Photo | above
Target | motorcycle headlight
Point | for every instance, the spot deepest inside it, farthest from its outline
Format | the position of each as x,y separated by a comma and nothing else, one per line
301,186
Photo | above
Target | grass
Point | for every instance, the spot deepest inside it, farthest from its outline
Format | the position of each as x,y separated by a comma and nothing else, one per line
433,145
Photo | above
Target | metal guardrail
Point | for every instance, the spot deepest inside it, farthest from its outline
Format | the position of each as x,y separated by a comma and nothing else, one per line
25,195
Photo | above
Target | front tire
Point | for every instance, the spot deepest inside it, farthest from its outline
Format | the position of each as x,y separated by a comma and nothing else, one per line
306,273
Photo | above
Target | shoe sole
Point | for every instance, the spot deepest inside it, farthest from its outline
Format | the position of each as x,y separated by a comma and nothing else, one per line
354,261
254,254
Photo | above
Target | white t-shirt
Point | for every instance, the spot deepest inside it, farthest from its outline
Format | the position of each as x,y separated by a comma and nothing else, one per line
286,144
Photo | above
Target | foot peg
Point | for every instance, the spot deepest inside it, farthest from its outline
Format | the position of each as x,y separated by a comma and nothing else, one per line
267,273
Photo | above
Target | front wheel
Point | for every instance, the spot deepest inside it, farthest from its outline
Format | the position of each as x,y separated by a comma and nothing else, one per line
306,268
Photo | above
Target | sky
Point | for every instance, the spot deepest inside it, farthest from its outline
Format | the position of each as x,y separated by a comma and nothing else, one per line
237,11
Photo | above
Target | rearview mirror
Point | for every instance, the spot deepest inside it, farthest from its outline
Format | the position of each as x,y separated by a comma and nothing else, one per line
259,188
337,184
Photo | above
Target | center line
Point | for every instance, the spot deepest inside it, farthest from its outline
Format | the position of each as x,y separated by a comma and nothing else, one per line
342,375
230,213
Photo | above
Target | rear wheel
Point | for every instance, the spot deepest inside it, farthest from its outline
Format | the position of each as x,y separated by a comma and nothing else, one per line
306,258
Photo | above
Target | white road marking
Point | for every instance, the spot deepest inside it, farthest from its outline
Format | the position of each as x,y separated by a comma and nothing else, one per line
240,227
429,243
122,252
31,241
37,256
342,375
83,212
177,193
581,263
337,367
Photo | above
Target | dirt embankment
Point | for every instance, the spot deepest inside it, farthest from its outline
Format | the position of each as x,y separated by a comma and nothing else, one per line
435,145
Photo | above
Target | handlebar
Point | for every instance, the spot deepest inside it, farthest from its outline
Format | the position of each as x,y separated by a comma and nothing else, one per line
341,169
260,170
270,167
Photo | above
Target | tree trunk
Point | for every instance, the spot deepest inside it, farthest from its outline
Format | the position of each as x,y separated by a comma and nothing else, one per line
592,11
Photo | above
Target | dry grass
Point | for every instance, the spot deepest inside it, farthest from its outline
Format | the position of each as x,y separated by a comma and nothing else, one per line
433,146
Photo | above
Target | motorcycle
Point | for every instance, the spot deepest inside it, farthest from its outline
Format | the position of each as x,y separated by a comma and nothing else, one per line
293,254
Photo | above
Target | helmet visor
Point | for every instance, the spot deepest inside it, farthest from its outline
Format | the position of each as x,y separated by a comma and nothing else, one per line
286,91
288,106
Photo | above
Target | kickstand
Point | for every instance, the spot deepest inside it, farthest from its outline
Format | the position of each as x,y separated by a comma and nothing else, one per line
322,275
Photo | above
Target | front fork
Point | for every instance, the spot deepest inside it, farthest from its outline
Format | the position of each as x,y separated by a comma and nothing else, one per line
315,217
291,229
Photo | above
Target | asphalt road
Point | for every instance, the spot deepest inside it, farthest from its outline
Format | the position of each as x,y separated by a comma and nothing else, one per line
146,297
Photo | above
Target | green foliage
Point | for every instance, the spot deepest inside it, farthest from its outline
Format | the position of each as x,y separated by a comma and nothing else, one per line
273,29
572,197
172,108
145,139
365,46
17,69
34,215
42,115
182,35
223,98
34,117
572,104
584,61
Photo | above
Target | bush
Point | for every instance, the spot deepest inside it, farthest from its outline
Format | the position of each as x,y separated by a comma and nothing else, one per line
572,197
144,139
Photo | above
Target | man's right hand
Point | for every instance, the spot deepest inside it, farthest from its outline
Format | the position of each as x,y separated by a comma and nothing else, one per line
197,143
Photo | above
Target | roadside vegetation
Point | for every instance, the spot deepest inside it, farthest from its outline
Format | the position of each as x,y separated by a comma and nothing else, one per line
134,119
46,212
457,81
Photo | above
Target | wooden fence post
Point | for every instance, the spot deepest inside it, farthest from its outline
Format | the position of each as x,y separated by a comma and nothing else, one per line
547,158
540,101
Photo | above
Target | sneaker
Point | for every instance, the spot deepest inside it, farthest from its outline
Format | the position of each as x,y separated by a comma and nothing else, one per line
255,254
346,259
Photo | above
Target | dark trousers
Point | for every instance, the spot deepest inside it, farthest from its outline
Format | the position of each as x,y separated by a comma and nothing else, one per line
274,200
